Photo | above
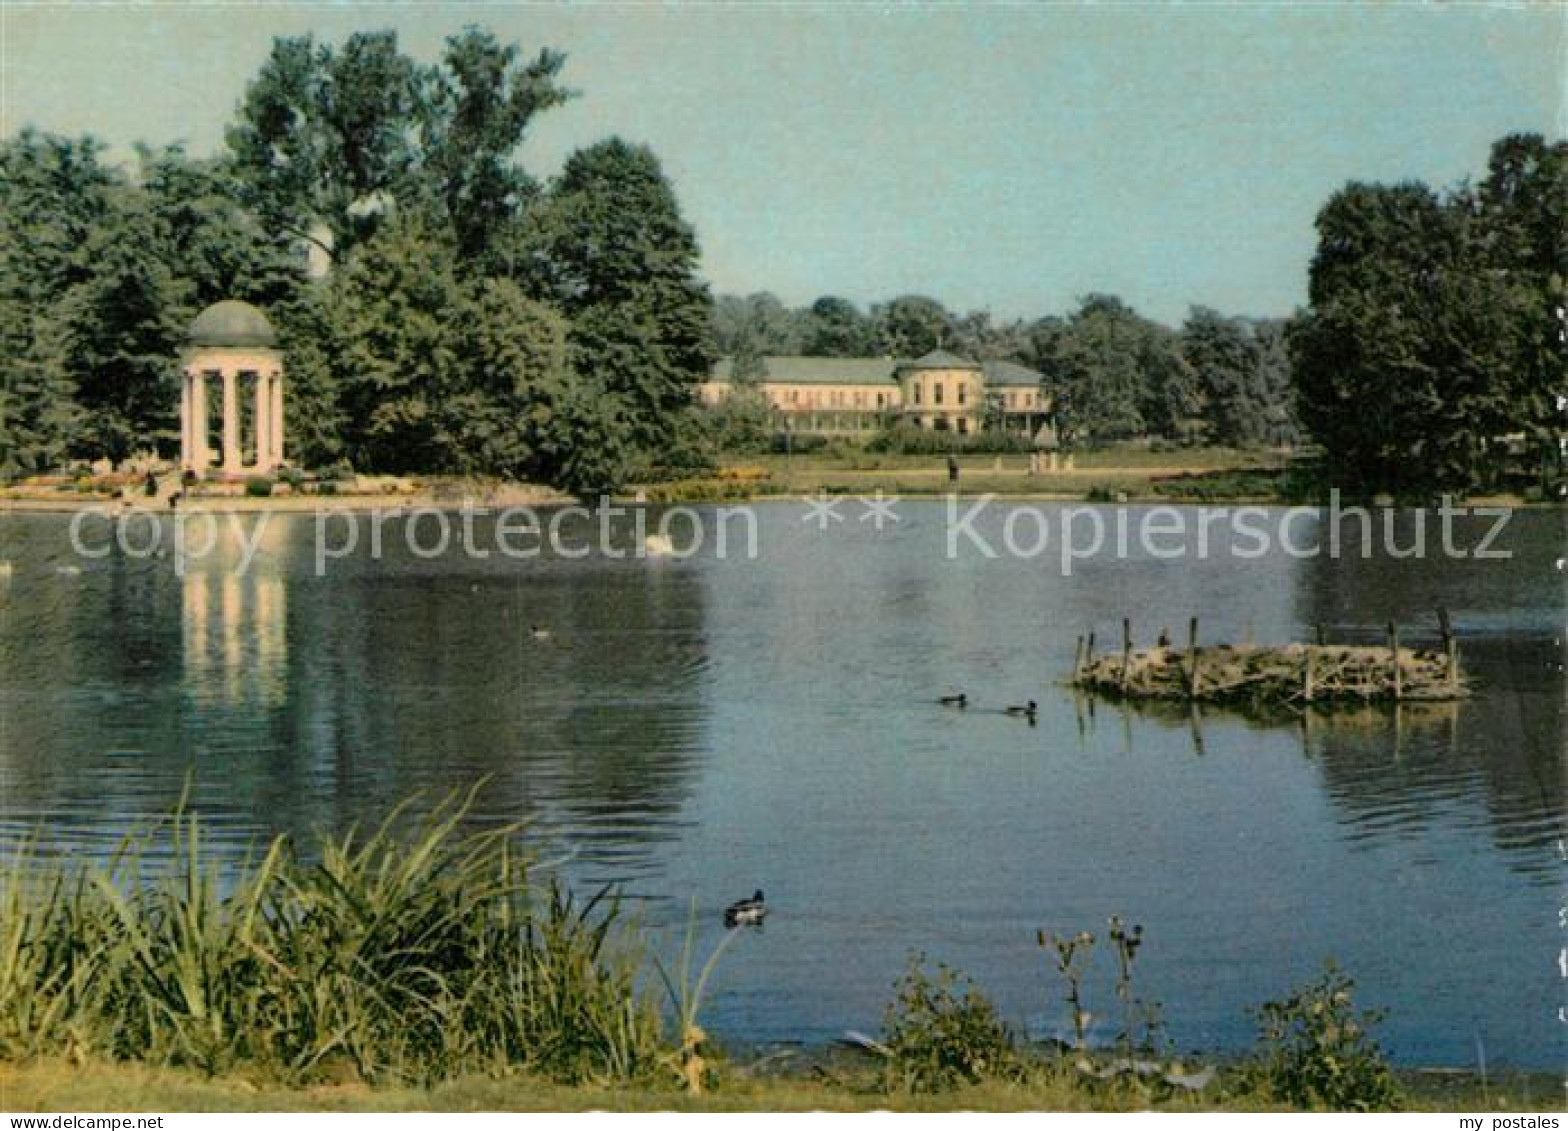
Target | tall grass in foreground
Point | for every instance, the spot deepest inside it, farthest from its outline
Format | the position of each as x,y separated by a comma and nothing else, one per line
414,953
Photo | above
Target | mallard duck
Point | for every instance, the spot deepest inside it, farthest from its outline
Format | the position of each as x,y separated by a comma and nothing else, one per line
959,700
746,912
1027,712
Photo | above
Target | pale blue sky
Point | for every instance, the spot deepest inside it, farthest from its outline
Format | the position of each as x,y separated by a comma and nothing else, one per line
999,156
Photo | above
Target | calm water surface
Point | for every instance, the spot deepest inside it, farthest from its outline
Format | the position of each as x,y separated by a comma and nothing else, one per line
696,729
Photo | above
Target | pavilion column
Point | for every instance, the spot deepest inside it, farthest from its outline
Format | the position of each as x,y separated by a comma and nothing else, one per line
187,423
201,455
277,418
231,420
262,424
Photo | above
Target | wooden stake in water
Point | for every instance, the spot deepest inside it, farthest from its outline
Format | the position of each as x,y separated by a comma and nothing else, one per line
1126,650
1078,659
1450,649
1192,656
1393,656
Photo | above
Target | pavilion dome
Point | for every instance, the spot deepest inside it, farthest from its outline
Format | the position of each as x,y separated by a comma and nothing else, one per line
232,323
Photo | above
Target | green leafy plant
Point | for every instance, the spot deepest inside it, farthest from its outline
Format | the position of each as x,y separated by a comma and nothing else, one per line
1316,1050
258,486
941,1032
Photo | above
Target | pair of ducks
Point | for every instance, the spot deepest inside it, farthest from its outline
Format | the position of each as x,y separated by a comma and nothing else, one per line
1029,711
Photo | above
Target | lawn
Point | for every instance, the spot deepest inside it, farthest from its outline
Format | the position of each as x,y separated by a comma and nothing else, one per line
49,1086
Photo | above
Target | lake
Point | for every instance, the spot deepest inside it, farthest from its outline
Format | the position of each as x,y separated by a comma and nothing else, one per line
694,728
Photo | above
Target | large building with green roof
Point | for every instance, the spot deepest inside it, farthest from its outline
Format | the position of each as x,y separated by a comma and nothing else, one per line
847,395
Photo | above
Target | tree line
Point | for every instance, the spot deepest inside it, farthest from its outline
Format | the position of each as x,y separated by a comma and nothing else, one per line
476,320
473,320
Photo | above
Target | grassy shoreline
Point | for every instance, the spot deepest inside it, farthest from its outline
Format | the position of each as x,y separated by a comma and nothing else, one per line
1199,476
61,1086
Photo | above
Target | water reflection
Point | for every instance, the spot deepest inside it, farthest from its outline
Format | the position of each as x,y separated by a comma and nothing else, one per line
235,639
298,703
1503,748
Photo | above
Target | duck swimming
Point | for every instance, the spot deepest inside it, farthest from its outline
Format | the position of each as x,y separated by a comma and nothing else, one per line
1027,712
538,632
960,700
746,912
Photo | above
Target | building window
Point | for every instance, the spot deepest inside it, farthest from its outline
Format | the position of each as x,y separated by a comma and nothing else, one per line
915,387
936,393
963,393
963,424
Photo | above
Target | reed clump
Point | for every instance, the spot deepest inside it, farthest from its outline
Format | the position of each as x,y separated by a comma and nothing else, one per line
412,954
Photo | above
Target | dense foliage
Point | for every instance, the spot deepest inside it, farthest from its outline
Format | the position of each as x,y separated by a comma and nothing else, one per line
1435,330
467,320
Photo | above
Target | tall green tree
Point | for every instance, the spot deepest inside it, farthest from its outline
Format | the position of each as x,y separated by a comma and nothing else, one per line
396,307
55,193
1272,382
835,327
911,325
1429,335
977,335
209,239
755,325
1227,362
337,138
121,331
609,248
1111,373
1521,214
477,108
515,406
425,370
326,137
